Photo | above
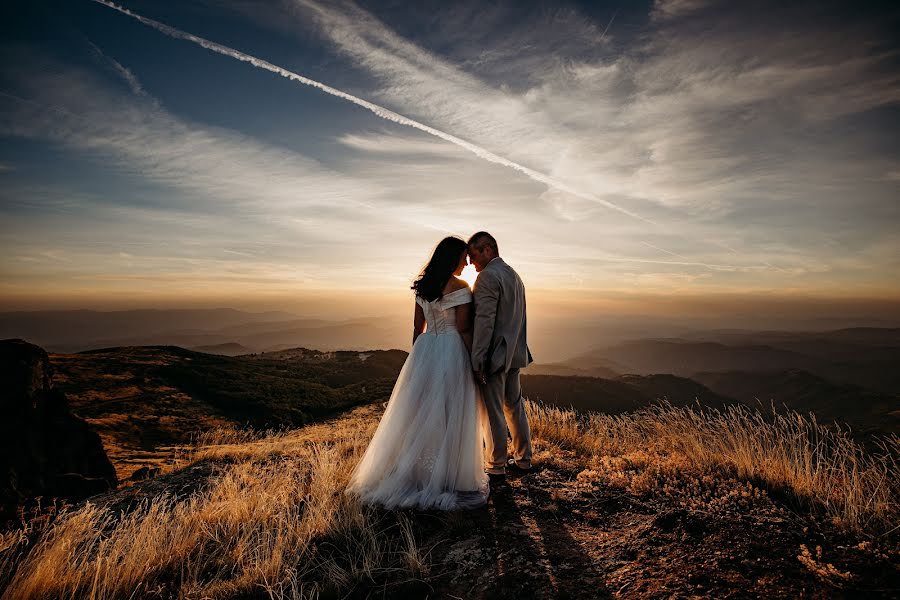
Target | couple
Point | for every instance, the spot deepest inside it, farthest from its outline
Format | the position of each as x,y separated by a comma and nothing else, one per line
457,390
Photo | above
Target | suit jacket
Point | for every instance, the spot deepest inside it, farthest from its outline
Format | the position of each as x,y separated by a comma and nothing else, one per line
499,342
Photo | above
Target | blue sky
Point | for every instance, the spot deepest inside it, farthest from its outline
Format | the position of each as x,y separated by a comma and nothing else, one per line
692,147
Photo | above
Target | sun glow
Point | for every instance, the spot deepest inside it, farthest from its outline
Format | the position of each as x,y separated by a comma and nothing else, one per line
469,275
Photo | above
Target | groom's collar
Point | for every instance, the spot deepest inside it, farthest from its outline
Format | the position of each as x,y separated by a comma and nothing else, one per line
496,259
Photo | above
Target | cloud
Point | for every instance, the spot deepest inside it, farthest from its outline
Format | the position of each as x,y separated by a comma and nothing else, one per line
214,168
378,110
126,75
289,219
668,9
292,220
394,144
699,119
672,120
428,85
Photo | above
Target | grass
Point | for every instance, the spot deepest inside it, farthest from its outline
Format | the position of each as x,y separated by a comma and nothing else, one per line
274,521
664,448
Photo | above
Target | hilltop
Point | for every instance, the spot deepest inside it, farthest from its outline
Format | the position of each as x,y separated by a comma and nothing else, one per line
624,506
671,490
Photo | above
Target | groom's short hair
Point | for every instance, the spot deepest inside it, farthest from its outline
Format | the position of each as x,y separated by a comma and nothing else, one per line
481,238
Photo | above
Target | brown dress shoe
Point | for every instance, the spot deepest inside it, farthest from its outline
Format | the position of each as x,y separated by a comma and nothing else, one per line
513,469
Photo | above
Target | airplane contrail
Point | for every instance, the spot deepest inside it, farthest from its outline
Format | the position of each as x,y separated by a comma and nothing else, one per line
380,111
676,255
608,25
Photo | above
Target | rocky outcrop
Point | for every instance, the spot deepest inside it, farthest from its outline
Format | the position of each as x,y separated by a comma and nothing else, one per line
48,451
144,473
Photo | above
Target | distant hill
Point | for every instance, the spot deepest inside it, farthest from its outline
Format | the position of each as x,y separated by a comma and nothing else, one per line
79,327
597,362
251,328
227,349
865,357
804,392
141,400
583,393
349,335
881,376
859,336
684,358
625,393
78,330
566,370
679,391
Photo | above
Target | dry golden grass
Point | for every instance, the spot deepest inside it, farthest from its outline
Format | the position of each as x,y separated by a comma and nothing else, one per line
274,521
689,452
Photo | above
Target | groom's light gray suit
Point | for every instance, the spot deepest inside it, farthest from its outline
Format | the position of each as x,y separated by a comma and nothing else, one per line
499,349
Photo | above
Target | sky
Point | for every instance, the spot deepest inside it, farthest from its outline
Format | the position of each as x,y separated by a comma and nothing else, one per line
675,149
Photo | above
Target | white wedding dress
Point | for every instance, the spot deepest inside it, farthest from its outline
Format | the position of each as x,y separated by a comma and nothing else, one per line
427,450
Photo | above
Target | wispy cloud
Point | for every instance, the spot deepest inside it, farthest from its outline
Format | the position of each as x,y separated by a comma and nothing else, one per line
722,113
380,111
212,184
667,9
393,144
668,121
127,76
216,168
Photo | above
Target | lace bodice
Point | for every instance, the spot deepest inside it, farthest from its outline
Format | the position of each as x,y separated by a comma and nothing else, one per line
440,315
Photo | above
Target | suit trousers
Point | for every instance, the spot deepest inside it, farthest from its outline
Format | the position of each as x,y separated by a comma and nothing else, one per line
504,408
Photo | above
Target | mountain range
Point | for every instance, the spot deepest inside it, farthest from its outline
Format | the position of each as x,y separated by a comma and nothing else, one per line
144,400
554,338
205,329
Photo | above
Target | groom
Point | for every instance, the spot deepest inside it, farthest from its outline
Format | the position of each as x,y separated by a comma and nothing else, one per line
498,352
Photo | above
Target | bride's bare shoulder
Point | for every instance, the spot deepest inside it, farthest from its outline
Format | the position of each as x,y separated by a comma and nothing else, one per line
460,283
455,284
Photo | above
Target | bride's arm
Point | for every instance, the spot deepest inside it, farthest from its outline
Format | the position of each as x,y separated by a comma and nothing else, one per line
464,324
418,323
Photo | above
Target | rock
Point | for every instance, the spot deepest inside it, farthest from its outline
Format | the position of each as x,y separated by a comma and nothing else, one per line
144,473
24,373
47,451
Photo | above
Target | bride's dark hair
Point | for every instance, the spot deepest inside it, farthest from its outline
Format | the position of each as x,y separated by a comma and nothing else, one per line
436,274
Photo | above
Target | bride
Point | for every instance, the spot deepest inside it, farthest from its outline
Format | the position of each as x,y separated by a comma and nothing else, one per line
427,450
